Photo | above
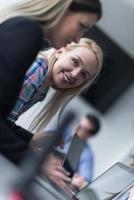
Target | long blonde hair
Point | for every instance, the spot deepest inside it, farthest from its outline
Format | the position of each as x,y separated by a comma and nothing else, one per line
46,12
61,97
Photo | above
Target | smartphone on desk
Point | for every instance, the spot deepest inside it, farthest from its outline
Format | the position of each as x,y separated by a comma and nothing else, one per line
72,157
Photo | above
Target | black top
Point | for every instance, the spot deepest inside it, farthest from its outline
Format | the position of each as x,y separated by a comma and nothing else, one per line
20,41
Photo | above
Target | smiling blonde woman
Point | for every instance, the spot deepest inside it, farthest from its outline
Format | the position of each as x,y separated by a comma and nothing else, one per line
69,70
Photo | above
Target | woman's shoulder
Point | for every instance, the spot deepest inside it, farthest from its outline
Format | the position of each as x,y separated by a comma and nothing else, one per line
38,65
37,71
25,25
20,20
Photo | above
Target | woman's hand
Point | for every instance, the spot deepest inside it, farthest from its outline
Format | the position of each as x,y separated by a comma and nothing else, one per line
53,169
78,181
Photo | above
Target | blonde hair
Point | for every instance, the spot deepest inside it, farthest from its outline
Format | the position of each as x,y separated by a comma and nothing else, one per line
46,12
61,97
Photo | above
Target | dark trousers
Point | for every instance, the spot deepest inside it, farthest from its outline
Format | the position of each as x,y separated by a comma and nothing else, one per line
20,41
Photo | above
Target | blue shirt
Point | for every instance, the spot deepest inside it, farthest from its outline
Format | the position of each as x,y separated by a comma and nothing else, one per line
85,166
31,91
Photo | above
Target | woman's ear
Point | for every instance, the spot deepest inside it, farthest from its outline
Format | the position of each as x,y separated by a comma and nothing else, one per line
59,52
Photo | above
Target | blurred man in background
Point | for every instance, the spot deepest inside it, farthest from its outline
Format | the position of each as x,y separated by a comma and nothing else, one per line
86,128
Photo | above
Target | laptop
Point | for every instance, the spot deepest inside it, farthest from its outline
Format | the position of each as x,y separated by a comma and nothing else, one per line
128,193
111,183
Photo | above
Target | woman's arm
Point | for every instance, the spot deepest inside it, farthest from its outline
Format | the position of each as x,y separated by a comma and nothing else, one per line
20,41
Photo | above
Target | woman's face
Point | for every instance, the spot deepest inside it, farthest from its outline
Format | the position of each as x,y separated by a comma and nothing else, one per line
71,28
73,67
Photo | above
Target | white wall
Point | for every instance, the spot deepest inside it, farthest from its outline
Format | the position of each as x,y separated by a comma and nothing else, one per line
117,22
117,138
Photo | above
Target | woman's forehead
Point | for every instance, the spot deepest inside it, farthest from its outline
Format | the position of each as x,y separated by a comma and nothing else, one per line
86,55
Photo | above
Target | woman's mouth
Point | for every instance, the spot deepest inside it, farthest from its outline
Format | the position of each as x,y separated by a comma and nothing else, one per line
68,79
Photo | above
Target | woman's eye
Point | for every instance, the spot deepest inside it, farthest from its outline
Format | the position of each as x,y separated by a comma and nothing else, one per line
82,27
75,62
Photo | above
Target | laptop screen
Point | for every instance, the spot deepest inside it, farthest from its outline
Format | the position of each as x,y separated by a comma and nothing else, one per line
110,183
73,156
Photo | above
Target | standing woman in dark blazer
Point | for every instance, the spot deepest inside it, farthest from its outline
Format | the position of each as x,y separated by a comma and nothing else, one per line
23,27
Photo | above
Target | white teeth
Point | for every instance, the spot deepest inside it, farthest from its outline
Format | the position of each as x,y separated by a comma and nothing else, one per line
66,78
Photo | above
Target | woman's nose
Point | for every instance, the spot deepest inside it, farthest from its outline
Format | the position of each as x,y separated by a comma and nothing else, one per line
78,37
76,72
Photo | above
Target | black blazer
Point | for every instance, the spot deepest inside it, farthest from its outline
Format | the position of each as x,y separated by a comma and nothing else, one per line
20,41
